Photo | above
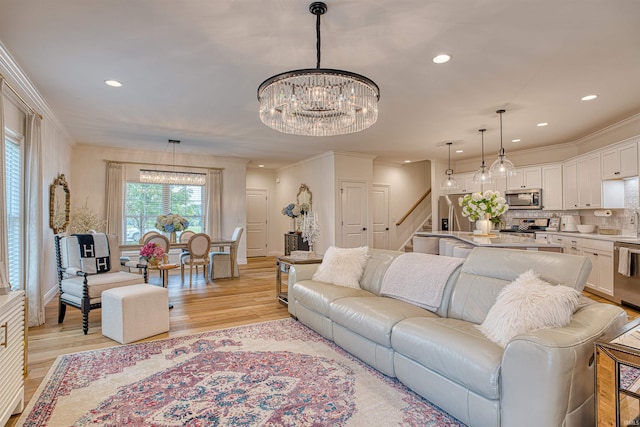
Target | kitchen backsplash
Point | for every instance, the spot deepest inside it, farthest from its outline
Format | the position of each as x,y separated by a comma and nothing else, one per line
620,219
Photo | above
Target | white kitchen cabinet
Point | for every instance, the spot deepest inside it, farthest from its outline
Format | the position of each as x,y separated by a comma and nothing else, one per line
552,187
12,354
569,185
529,177
600,253
620,161
570,245
465,183
589,181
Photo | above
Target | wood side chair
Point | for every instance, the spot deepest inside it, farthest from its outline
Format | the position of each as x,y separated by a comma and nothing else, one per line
198,246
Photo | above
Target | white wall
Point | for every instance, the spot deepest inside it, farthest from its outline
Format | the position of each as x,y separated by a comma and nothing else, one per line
89,181
56,160
317,173
407,183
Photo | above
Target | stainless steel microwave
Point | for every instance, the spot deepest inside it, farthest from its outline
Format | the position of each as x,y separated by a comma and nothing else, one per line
524,199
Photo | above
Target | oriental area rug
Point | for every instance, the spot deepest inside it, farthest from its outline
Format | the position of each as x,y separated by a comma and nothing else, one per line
277,373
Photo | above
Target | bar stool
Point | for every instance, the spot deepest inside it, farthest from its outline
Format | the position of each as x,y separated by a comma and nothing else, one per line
461,251
426,245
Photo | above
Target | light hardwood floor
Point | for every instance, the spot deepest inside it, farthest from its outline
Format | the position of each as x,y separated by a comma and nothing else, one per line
201,307
251,298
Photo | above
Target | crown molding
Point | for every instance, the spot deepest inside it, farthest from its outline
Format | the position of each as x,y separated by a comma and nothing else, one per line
19,81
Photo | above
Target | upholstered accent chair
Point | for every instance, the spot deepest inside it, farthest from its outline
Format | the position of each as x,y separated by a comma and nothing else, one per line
220,262
89,264
198,246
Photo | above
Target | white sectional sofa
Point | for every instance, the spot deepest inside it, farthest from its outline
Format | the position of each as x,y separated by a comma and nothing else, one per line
544,378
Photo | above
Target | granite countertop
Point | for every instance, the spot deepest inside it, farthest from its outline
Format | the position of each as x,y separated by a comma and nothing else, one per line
625,238
503,240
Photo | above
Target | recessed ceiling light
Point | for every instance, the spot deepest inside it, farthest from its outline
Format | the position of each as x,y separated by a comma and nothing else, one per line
515,140
589,97
542,124
442,58
407,161
113,83
260,166
459,151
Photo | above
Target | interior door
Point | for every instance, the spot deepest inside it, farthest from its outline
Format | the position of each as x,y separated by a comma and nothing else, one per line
354,214
257,208
380,204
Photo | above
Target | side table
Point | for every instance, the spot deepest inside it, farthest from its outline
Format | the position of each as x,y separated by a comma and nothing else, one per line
618,377
164,272
283,264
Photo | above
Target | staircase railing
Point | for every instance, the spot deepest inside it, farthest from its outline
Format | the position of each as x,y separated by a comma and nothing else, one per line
414,207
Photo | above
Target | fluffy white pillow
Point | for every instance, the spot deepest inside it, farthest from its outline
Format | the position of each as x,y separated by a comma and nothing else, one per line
343,266
526,304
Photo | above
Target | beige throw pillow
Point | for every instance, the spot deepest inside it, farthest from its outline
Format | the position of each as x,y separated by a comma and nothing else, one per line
526,304
343,266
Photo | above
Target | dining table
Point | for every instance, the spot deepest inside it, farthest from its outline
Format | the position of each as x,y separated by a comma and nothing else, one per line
216,242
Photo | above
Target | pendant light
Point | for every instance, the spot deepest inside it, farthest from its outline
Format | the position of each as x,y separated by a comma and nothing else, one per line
172,177
483,175
318,101
449,182
502,167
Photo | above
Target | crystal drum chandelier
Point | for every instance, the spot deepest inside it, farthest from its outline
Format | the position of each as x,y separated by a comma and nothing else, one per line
318,101
502,166
154,176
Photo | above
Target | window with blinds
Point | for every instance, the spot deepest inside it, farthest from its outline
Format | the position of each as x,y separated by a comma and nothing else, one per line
13,191
144,202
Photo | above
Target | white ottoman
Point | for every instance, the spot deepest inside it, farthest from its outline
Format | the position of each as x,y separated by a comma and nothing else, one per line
131,313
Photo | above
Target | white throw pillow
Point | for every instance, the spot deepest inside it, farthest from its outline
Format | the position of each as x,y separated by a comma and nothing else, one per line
343,266
526,304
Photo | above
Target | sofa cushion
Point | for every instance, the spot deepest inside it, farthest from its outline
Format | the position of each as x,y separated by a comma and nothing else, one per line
482,277
373,318
526,304
100,282
342,266
317,296
453,348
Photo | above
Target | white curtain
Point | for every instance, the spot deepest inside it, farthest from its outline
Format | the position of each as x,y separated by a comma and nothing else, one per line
4,242
115,180
214,203
34,235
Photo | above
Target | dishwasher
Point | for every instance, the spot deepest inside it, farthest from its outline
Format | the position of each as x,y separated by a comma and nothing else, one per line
626,278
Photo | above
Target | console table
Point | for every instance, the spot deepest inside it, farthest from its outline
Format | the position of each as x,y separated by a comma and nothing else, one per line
293,242
12,354
618,377
284,263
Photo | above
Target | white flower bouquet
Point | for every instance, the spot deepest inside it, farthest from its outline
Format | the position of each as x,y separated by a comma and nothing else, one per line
487,205
171,222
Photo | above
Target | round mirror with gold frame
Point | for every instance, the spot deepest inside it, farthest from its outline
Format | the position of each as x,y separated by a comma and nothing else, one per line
59,205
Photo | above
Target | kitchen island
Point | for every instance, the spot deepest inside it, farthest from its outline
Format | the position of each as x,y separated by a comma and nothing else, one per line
498,240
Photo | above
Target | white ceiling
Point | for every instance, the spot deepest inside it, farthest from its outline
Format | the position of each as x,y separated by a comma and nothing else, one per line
190,70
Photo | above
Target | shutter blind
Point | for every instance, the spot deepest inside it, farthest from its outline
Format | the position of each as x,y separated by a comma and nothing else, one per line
13,183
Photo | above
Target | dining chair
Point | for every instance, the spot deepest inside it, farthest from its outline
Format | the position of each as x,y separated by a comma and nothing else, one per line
184,238
220,261
198,246
159,239
148,234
